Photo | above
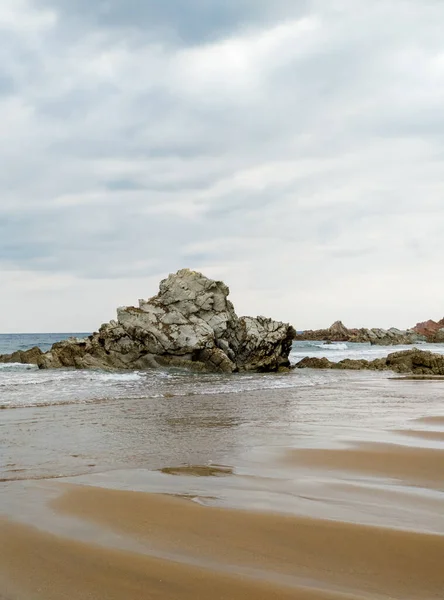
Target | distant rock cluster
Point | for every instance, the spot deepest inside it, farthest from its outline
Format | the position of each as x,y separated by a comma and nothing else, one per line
432,331
190,323
417,362
382,337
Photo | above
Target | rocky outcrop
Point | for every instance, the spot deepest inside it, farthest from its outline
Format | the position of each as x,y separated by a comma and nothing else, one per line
313,362
413,361
339,330
28,357
383,337
386,337
336,333
433,331
190,323
417,362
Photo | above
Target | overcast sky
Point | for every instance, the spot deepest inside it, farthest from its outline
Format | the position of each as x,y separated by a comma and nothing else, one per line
292,148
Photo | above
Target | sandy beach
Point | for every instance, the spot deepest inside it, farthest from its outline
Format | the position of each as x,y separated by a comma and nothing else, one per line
330,491
215,552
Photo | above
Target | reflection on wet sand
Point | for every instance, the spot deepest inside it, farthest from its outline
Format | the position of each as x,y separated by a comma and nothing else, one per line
198,470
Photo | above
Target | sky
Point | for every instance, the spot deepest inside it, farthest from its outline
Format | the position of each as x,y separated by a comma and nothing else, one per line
293,149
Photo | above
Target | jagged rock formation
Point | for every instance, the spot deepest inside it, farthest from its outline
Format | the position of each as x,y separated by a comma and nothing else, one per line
336,333
413,361
28,357
383,337
190,323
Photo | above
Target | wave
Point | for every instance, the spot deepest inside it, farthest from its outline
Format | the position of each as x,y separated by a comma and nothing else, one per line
117,377
52,402
134,388
333,346
40,378
17,367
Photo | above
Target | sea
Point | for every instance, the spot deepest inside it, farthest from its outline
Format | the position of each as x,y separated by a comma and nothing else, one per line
25,385
358,453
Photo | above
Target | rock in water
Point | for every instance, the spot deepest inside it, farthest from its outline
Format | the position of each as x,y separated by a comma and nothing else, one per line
28,357
190,323
339,331
414,361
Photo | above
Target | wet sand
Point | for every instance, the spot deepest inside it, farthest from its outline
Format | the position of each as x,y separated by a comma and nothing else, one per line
213,552
198,470
432,420
423,434
45,567
418,466
331,493
346,556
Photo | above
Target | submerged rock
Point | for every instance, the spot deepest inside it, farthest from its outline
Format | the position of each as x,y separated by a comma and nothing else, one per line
413,361
190,323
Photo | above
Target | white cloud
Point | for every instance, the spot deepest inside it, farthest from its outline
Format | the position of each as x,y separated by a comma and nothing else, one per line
20,17
297,156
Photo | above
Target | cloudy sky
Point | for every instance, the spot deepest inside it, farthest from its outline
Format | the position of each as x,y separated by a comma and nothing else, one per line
294,149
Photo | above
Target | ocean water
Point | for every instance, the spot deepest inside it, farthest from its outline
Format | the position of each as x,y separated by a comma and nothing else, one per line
339,350
26,386
10,342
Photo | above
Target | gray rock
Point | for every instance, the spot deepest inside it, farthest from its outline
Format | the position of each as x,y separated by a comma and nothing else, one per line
313,362
416,361
190,323
439,336
413,361
27,357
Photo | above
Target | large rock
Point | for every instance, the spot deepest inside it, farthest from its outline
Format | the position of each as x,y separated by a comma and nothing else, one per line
413,361
190,323
417,362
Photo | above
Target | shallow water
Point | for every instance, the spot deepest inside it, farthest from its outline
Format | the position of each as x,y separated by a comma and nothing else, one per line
358,449
26,386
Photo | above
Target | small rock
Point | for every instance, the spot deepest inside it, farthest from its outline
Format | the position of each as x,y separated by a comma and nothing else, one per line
25,357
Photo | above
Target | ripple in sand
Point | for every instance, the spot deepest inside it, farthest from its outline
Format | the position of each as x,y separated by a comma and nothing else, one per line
435,436
433,420
411,465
